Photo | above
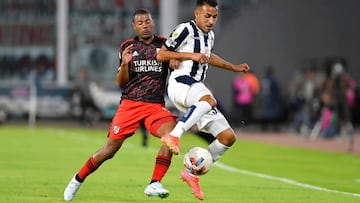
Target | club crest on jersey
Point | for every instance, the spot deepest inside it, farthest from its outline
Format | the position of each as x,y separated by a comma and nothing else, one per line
116,129
174,35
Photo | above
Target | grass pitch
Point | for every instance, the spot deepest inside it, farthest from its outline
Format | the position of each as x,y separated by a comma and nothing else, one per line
37,163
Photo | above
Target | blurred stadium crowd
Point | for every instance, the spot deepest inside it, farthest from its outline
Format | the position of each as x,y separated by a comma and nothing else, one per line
323,99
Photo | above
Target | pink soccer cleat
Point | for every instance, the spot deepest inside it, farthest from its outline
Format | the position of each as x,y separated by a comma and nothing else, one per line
193,183
172,142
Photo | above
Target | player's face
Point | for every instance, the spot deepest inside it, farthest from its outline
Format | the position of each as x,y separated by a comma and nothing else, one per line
143,26
206,17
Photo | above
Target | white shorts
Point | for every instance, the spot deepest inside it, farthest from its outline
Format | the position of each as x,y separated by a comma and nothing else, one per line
183,96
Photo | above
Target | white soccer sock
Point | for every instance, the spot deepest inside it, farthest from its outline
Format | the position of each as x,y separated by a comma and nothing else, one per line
217,149
194,113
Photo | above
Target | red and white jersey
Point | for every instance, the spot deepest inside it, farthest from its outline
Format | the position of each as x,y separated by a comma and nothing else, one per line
147,76
188,37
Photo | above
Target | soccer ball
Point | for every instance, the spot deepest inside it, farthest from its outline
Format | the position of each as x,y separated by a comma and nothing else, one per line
198,161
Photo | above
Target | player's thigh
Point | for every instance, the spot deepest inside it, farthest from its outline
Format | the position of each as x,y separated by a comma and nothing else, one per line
161,121
196,92
125,121
162,126
177,94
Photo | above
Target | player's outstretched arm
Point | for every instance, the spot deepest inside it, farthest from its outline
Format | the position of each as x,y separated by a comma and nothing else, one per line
217,61
165,55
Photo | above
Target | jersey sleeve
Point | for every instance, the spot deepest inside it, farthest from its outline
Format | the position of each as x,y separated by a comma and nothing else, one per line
177,37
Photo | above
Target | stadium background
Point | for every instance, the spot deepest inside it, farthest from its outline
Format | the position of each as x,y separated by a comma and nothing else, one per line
288,35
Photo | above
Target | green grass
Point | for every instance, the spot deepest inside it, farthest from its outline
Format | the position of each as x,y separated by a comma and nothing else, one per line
37,163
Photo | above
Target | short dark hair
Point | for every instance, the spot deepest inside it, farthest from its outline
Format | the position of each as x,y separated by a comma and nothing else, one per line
140,11
212,3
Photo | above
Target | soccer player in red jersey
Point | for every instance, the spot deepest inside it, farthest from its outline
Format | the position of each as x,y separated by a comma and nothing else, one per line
142,79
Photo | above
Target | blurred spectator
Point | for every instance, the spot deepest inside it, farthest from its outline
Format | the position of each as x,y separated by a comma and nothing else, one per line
25,69
304,102
329,118
270,97
4,67
349,86
88,106
44,70
344,95
245,87
338,98
253,81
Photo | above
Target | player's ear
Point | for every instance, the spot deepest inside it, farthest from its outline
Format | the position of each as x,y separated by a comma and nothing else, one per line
196,13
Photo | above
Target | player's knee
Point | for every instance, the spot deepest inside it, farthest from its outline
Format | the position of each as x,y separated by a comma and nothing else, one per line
227,138
209,99
213,103
230,141
109,150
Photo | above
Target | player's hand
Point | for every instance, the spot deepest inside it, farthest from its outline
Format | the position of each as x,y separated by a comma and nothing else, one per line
242,68
200,57
127,54
174,63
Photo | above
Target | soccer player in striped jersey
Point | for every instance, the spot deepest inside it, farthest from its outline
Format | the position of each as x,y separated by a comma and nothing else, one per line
191,43
142,79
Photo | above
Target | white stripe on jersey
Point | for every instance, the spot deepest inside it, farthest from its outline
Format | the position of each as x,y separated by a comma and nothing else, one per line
187,37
